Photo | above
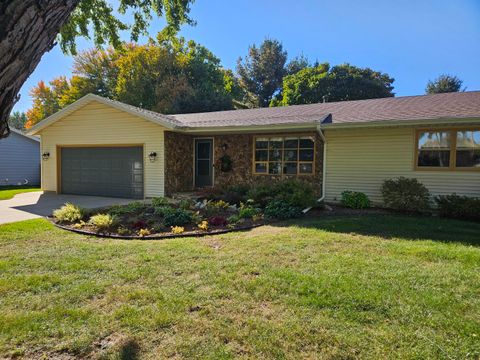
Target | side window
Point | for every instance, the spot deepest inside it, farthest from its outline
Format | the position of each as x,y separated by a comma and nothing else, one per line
468,149
434,149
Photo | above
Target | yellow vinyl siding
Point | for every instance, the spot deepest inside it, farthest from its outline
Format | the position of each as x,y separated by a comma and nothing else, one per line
360,159
99,124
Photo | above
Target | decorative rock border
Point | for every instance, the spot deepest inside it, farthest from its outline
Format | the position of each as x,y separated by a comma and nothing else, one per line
154,237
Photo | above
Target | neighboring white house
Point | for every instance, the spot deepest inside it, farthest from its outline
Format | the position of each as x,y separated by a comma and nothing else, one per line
19,159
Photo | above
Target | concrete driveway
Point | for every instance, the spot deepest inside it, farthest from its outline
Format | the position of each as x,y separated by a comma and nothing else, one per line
38,204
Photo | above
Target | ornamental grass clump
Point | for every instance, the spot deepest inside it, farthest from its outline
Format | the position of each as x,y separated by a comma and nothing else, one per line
102,222
203,225
177,229
143,232
68,213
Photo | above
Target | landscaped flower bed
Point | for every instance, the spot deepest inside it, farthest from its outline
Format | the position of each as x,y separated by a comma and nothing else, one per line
165,218
160,218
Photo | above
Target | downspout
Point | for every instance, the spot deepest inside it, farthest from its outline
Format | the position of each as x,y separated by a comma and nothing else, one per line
324,164
324,167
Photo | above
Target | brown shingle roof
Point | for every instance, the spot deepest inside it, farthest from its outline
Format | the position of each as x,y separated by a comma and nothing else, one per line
437,106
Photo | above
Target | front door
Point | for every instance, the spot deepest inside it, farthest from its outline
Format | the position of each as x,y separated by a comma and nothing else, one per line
203,162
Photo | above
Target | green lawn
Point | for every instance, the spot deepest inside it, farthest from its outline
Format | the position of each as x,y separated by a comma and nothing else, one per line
8,192
331,288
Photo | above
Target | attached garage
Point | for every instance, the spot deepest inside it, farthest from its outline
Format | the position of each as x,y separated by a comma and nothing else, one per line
101,147
102,171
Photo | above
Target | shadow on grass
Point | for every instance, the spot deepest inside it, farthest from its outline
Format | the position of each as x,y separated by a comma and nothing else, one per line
129,350
395,226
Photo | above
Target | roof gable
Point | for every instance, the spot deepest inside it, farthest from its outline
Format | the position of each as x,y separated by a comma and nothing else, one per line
151,116
21,134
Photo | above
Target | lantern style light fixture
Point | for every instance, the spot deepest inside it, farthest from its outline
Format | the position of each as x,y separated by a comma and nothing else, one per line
152,156
45,155
224,147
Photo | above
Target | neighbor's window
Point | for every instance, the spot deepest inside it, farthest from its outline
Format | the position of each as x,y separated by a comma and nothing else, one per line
284,155
449,149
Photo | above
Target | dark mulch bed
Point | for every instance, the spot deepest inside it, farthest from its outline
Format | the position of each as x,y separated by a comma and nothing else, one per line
90,231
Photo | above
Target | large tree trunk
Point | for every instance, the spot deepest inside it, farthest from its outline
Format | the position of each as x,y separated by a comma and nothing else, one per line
28,29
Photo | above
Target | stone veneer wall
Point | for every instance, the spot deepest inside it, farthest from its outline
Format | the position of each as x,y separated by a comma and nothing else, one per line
179,162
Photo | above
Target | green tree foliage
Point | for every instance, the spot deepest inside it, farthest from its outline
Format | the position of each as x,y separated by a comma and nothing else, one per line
17,120
296,64
444,84
101,19
169,75
262,71
321,82
23,42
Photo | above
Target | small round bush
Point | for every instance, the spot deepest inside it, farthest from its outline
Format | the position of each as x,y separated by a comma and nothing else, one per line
297,193
247,211
102,222
177,217
458,207
281,209
406,194
355,200
68,213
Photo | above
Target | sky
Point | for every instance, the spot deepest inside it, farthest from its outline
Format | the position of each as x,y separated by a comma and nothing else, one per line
412,40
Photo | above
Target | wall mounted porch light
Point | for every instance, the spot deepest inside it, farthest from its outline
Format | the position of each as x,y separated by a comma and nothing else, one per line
152,156
45,155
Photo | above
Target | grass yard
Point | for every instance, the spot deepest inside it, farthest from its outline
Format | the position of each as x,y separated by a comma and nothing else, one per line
8,192
375,286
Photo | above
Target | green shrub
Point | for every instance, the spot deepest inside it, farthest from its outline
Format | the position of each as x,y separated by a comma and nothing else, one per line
176,217
102,222
159,201
135,207
295,192
458,207
236,194
355,200
233,219
186,204
162,210
68,213
281,209
196,217
213,208
262,194
406,195
247,211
